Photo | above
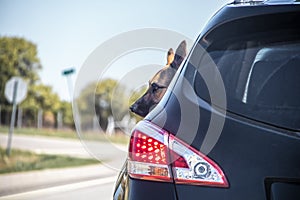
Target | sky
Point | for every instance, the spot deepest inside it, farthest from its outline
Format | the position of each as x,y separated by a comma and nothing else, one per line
66,32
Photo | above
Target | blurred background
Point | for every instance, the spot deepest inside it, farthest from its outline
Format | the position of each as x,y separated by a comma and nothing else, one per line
46,43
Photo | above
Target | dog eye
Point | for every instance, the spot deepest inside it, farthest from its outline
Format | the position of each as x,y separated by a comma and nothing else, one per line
155,87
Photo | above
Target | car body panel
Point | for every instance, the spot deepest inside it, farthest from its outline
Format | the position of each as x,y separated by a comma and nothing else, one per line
246,151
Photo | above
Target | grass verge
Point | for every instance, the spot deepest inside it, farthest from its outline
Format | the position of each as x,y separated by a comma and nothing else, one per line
21,161
70,134
43,132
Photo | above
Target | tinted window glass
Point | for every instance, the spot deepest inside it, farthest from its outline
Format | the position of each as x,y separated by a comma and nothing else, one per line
261,73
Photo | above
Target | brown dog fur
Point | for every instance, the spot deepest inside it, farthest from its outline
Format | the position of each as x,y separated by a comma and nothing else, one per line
160,81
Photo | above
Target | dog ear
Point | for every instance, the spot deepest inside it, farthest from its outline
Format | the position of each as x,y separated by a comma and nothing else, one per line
179,55
170,56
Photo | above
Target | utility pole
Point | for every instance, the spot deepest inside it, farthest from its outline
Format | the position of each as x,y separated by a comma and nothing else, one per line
67,73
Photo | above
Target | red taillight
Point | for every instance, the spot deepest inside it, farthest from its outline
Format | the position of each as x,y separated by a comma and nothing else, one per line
153,153
147,149
148,154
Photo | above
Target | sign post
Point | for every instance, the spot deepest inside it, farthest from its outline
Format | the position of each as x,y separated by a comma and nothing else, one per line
12,119
15,92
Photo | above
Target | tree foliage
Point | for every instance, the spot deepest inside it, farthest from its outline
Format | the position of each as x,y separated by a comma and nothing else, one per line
103,99
18,57
66,109
41,97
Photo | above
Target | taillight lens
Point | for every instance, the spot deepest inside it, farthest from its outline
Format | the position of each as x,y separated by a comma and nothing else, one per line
154,154
200,171
148,153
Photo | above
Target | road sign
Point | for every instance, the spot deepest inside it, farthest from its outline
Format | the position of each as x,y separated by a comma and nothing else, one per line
68,71
21,90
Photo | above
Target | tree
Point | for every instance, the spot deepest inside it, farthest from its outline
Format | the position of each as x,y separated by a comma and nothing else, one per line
41,96
18,57
103,98
66,109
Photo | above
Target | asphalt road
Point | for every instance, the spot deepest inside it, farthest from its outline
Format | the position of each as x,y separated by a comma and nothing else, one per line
97,183
101,189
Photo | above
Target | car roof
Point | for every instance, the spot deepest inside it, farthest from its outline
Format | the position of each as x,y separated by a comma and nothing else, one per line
249,8
268,2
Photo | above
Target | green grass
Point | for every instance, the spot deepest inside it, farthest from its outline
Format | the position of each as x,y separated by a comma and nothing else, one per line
42,132
70,134
20,161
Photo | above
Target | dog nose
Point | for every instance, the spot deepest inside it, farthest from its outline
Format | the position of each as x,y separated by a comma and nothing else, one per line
133,107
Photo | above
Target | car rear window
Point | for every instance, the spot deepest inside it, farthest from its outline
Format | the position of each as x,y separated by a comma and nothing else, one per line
260,69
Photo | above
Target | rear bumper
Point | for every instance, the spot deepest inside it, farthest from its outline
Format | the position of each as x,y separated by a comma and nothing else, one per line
127,188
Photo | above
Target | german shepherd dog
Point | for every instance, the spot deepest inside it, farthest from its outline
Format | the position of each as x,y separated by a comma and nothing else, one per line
159,83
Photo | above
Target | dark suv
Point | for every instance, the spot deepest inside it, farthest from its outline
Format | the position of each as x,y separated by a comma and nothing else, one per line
229,125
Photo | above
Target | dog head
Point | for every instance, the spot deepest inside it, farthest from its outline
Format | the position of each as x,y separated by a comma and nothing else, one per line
160,82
